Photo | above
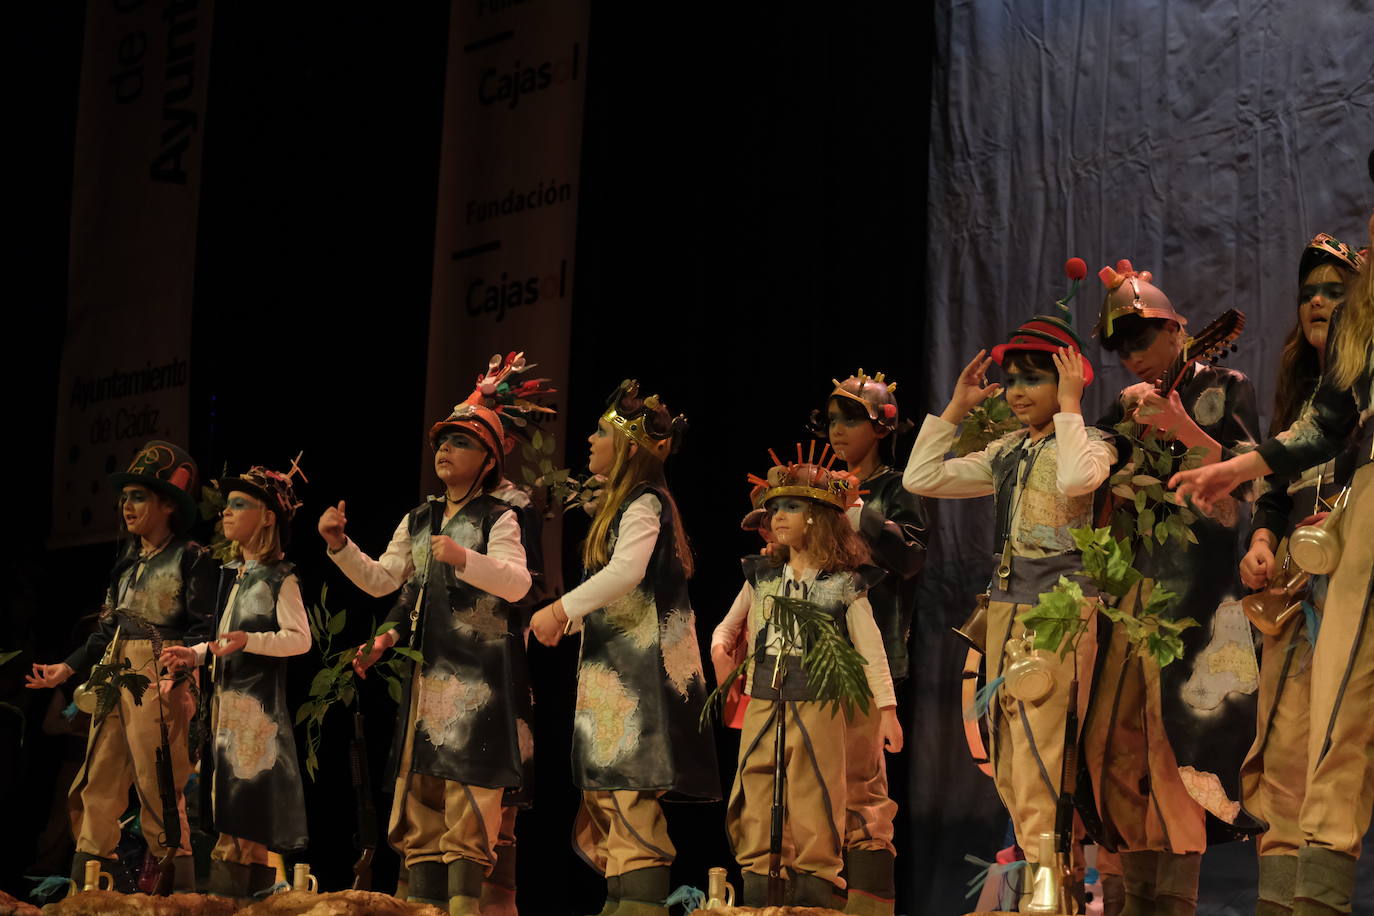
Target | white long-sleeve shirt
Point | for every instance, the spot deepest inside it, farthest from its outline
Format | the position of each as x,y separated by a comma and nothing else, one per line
634,548
863,634
501,571
1083,463
292,636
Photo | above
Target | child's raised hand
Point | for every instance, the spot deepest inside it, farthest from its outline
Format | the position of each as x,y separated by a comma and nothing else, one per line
971,389
331,526
229,643
1069,365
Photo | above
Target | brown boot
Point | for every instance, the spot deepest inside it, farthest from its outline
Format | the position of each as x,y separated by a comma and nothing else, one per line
1113,895
427,883
228,879
871,876
643,891
1176,883
1325,882
1139,871
1278,877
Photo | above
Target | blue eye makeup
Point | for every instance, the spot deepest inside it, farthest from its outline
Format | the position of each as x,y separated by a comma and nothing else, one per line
137,497
785,504
459,440
242,503
1025,379
1331,292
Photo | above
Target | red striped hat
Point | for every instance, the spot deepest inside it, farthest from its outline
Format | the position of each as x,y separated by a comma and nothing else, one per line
1047,333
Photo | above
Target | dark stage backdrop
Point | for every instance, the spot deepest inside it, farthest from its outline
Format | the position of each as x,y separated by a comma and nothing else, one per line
1205,142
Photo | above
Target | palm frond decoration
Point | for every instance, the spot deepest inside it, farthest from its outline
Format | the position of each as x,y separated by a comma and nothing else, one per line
834,668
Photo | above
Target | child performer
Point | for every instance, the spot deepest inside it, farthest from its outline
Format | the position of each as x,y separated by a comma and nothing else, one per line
1273,777
465,739
259,805
819,557
161,580
1161,750
1042,479
516,402
1338,792
640,686
860,419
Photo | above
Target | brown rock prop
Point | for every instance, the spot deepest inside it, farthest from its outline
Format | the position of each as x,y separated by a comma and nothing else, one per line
111,903
9,906
338,903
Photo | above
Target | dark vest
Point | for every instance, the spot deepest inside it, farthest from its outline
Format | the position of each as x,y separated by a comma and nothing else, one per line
473,713
640,686
899,547
257,779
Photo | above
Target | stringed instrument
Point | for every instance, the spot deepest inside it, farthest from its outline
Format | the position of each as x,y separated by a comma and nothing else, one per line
1212,344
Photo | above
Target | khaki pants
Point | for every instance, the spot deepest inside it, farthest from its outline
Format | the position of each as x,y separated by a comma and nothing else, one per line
439,820
1274,775
815,805
868,808
1340,745
244,852
1136,782
622,831
1027,738
122,751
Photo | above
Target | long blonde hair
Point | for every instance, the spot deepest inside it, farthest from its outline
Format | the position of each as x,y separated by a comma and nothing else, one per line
1348,354
630,467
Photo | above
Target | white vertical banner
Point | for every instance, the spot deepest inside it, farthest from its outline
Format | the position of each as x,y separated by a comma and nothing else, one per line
135,199
506,227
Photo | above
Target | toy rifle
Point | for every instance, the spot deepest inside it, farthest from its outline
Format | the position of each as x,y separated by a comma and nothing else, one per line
167,791
777,887
366,839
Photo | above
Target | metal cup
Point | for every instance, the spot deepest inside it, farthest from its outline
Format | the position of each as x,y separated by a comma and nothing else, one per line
720,892
302,880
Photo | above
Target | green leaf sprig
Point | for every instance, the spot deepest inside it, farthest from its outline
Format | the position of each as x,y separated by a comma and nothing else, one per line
984,425
334,683
1147,511
834,668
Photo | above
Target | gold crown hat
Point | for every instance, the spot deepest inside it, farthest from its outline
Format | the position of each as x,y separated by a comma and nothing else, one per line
646,422
512,399
807,478
1327,249
1131,292
274,488
872,392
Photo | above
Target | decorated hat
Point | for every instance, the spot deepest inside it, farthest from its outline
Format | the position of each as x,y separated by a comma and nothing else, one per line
483,423
646,422
754,518
811,478
873,394
1326,249
512,399
1050,333
1132,292
167,470
274,488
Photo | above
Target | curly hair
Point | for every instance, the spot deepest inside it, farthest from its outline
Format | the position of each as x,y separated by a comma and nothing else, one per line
830,540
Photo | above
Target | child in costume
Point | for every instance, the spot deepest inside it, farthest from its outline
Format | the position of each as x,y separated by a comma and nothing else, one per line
465,739
1338,788
163,586
1164,745
259,804
502,391
861,417
818,557
1274,774
640,685
1042,479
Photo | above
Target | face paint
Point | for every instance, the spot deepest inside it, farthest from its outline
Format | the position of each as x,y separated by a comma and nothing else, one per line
135,496
1032,379
1139,342
242,504
785,504
458,439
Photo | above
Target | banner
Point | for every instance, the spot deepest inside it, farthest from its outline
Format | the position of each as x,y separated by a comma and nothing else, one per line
135,196
507,216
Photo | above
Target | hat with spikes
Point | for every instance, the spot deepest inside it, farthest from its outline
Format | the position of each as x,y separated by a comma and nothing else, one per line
647,422
514,400
807,478
873,393
274,489
1050,333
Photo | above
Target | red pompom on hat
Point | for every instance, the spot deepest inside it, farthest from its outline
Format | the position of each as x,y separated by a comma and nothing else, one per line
1046,333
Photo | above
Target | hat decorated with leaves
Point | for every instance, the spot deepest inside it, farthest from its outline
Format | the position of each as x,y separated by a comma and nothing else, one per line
1327,249
807,478
275,489
514,400
169,471
647,422
1132,292
1050,333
